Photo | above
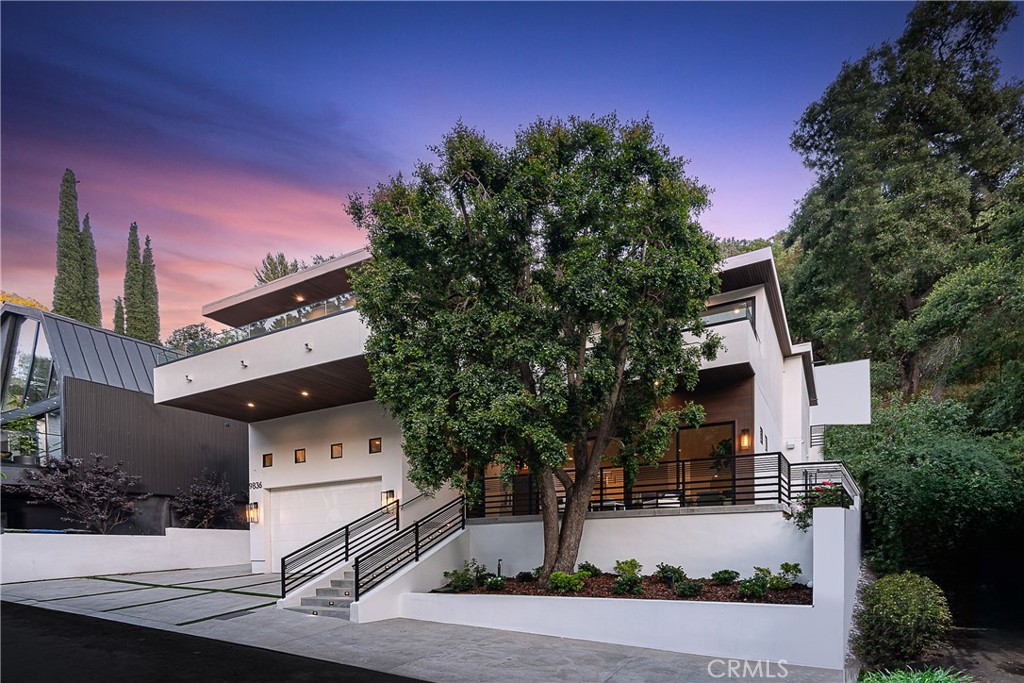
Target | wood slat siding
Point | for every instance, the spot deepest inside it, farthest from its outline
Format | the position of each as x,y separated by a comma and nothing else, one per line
168,447
726,401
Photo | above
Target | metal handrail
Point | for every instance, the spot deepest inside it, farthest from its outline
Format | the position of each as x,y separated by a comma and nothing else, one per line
758,478
383,560
316,557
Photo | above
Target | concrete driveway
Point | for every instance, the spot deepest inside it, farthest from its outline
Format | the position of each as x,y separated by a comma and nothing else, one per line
232,605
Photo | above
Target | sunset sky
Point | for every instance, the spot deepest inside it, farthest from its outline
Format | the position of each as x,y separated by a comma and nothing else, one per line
229,130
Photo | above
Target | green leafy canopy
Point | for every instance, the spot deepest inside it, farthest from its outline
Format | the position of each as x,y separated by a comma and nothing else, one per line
521,299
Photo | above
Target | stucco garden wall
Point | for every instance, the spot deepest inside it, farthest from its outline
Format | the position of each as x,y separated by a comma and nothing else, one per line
34,557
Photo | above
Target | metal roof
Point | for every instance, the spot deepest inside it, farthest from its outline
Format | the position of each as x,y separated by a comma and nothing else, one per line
92,353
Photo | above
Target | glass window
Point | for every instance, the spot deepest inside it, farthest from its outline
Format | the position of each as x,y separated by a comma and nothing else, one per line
300,455
20,364
38,384
727,313
335,451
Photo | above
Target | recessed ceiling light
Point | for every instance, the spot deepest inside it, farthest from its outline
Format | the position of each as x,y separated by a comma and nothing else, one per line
299,297
251,404
305,393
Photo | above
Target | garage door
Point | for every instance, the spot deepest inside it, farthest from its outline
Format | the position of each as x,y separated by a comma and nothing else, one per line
304,514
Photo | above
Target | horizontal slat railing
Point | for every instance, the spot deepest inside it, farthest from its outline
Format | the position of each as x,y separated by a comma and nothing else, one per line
337,547
377,564
754,479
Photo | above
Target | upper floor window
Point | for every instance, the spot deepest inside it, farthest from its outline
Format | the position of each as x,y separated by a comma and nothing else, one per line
729,312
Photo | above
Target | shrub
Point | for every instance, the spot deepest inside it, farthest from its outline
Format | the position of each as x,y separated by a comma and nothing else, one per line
631,566
526,577
207,501
900,615
628,584
670,574
725,576
560,582
926,676
754,587
689,588
494,583
589,569
469,577
95,495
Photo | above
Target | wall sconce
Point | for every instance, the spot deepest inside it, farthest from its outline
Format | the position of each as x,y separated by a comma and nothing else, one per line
252,513
308,347
744,439
387,497
188,378
244,364
375,445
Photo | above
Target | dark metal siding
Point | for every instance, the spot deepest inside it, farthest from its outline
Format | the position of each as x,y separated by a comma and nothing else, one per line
168,447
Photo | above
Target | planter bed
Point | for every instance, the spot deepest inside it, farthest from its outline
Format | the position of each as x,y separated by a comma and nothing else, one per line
655,589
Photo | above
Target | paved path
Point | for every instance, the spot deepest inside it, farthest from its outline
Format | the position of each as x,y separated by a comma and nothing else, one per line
231,605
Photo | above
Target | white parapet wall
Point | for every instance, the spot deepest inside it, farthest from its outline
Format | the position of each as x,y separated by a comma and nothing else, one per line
34,557
813,635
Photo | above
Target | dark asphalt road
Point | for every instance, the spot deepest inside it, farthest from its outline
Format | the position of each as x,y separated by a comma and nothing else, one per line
43,646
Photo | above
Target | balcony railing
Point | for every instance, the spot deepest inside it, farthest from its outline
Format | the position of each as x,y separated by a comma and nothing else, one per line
282,321
758,479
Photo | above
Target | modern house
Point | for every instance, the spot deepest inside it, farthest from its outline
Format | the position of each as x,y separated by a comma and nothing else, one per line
327,472
71,389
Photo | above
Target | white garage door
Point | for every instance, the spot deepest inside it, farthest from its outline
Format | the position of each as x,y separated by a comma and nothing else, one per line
304,514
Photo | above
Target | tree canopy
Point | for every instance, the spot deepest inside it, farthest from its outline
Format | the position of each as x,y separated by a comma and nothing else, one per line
76,288
912,145
527,307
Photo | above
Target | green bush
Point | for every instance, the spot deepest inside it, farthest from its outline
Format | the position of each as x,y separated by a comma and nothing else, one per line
560,582
631,566
689,588
754,587
670,574
589,569
526,577
469,577
827,494
628,584
900,615
494,583
725,576
926,676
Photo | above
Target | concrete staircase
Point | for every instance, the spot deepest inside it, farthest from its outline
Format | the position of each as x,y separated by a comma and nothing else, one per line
332,601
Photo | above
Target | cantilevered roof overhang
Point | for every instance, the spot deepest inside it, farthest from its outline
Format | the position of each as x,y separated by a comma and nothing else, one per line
331,384
320,282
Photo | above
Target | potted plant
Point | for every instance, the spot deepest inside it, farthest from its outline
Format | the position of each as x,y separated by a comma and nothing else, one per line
24,440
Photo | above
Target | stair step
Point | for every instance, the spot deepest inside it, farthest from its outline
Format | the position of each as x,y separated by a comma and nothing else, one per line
333,612
344,584
330,593
325,602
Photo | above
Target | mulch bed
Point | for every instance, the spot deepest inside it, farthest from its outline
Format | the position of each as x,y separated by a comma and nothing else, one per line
654,589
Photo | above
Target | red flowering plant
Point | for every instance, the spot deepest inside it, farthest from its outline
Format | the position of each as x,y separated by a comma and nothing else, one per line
827,494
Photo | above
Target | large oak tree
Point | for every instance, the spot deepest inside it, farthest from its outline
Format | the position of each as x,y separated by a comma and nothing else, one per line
528,304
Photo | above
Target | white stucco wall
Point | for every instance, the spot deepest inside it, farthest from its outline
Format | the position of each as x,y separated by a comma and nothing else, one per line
352,426
805,635
34,557
844,393
700,542
796,411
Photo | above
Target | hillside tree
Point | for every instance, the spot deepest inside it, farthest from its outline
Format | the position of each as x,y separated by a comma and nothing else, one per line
527,308
134,287
67,284
911,144
119,315
150,296
92,313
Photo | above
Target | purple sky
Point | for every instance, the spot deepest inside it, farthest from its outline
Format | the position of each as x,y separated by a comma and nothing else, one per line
229,130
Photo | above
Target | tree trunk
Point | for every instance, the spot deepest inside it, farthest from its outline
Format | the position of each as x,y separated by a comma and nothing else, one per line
549,517
910,373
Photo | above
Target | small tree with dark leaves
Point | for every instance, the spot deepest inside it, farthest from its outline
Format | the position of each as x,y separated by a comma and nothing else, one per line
207,501
96,494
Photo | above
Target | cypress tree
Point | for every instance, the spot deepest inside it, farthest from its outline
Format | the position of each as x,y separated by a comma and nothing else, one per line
90,304
134,298
150,296
67,284
119,315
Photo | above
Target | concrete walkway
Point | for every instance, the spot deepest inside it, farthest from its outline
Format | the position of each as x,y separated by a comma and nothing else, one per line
232,605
